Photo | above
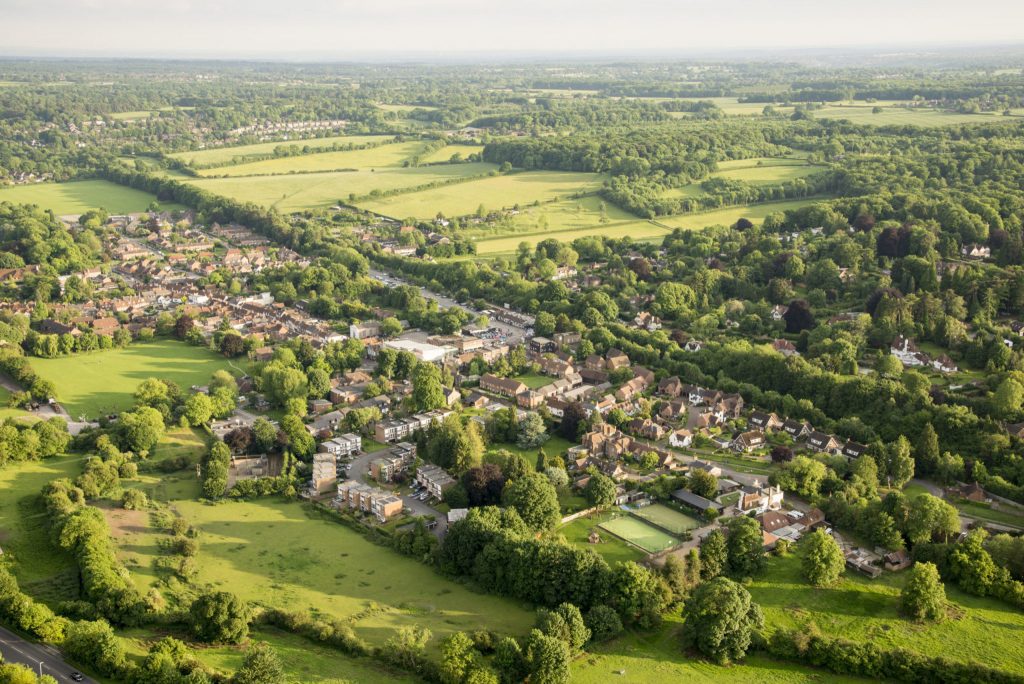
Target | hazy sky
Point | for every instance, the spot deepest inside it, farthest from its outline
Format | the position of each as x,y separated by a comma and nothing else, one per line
343,29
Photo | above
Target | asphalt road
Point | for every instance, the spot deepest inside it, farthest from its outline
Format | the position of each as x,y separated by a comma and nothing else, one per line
17,650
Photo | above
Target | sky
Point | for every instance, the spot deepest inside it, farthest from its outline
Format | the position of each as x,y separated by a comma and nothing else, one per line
382,29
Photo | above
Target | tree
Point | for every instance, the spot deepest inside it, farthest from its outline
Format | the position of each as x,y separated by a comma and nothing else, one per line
510,661
219,617
889,367
469,449
703,483
603,622
972,565
573,417
895,463
532,431
427,390
232,345
566,623
720,620
260,666
745,544
457,656
547,659
930,517
926,454
714,555
823,560
802,475
536,501
134,500
1008,399
183,326
198,409
923,596
781,454
141,429
600,491
798,316
484,485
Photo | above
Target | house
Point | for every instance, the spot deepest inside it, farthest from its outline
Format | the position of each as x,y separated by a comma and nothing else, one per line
779,312
896,560
476,400
435,479
976,251
567,339
325,474
796,429
646,428
680,438
748,441
785,347
1016,430
381,504
706,467
693,346
756,499
630,389
673,409
695,501
907,352
853,450
944,364
823,443
971,492
506,387
764,421
345,445
615,359
647,321
670,387
542,345
362,331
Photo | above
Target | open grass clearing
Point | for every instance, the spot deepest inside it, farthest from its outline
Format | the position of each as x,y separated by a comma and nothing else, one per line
45,572
446,153
658,656
281,554
588,212
309,191
644,231
636,531
496,192
534,380
727,216
404,108
861,609
103,382
666,518
9,412
863,113
771,174
78,197
372,157
554,446
610,547
224,155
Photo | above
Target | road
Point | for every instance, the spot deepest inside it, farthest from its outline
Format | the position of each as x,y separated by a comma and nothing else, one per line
359,467
17,650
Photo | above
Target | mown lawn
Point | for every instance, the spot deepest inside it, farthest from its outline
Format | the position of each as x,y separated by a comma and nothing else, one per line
611,548
43,571
9,412
78,197
278,554
555,446
768,174
534,380
103,382
861,609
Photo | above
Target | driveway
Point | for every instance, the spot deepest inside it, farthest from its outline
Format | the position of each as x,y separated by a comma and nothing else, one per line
358,469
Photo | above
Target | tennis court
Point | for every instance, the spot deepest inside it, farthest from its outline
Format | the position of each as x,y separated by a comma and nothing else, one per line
639,533
666,518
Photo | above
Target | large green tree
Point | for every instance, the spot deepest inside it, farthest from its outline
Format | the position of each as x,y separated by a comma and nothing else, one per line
823,560
535,499
720,620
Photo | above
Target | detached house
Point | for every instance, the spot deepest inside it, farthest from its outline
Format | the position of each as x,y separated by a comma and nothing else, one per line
748,441
680,438
765,421
670,387
823,443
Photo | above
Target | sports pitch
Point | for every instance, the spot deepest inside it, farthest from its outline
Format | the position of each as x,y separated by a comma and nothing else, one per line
639,533
666,518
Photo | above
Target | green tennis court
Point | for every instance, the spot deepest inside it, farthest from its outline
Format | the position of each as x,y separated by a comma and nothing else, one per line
639,533
666,518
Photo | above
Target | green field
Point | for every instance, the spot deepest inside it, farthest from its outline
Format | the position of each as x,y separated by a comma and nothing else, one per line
861,609
103,382
637,230
611,548
730,215
78,197
534,380
8,412
44,571
369,158
224,155
403,108
657,656
273,553
307,191
861,113
445,153
768,174
667,518
636,531
493,193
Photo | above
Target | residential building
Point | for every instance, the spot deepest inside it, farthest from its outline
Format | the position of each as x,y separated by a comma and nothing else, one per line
325,473
345,445
506,387
435,479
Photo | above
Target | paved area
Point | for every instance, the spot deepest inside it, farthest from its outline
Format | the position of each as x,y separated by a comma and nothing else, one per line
39,657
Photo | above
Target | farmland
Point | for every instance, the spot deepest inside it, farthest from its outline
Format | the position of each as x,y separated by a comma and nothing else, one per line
78,197
768,174
275,554
445,153
492,193
984,630
637,230
730,215
306,191
224,155
369,158
103,382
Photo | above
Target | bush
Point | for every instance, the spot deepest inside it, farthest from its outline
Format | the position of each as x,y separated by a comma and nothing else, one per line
134,500
603,622
219,617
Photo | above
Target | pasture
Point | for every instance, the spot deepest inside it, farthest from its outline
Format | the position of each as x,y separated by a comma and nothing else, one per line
225,155
863,113
496,192
45,572
861,609
284,555
445,153
103,382
369,158
577,213
727,216
641,231
639,533
308,191
78,197
404,108
666,518
767,174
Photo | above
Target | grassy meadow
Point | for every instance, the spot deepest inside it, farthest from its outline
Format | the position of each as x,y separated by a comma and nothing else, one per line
727,216
103,382
496,192
767,174
307,191
369,158
445,153
225,155
280,554
78,197
637,230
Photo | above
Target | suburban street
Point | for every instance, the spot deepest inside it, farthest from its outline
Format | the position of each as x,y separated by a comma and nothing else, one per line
38,657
